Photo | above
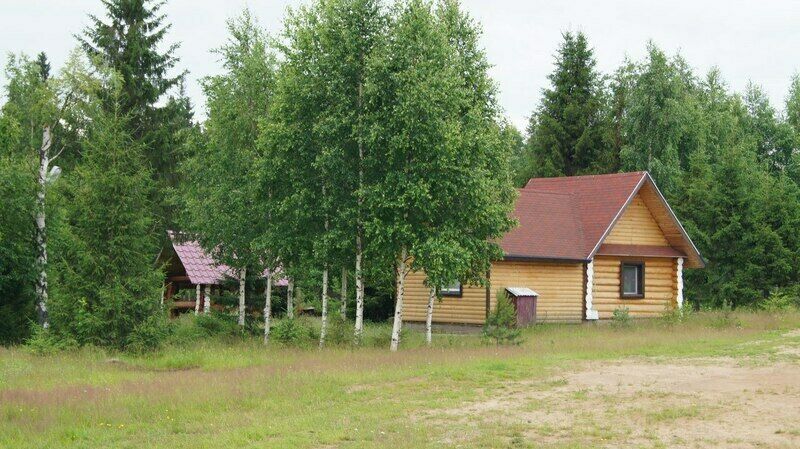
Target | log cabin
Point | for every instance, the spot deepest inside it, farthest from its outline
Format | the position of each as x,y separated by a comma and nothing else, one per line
585,246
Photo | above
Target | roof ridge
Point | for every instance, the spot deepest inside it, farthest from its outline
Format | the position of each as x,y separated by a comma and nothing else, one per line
602,175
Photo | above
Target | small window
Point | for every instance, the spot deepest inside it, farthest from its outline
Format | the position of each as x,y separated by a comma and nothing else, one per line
632,280
453,289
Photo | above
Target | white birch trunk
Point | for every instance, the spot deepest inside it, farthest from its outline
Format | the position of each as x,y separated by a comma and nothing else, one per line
207,300
398,306
429,317
41,231
343,306
197,290
267,306
323,331
359,329
242,280
290,299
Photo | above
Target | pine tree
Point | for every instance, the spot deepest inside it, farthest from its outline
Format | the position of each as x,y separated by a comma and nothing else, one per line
128,40
568,138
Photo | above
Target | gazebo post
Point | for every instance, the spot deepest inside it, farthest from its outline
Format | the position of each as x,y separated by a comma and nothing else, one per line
197,300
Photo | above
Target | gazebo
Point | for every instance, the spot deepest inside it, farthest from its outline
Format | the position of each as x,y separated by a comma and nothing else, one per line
189,267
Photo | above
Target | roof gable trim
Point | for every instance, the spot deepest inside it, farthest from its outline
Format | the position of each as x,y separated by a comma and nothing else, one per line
619,213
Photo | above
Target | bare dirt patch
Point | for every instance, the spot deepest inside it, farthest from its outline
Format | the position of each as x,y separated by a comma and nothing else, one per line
693,403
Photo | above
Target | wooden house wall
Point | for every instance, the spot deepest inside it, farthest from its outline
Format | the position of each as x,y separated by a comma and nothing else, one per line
637,226
560,288
660,285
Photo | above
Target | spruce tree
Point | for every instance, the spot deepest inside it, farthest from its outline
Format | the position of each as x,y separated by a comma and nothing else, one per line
128,40
106,287
569,135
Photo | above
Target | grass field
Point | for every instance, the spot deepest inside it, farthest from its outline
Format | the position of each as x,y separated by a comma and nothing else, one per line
714,380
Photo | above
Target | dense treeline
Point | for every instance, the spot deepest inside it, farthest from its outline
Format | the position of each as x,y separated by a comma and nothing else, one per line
335,150
728,163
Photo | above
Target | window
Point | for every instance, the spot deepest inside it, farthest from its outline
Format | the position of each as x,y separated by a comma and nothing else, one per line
453,289
632,280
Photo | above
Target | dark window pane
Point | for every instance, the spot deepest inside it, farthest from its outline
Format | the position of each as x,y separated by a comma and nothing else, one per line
630,279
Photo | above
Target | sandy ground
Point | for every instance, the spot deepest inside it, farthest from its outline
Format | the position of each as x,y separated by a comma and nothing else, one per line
690,403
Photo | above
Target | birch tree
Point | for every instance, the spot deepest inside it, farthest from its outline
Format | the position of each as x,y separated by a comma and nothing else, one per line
38,104
318,125
222,198
435,113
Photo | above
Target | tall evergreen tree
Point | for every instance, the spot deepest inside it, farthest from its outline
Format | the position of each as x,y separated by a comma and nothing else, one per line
570,124
106,289
128,40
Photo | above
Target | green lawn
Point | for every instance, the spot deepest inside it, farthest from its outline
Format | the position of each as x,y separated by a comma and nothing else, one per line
240,394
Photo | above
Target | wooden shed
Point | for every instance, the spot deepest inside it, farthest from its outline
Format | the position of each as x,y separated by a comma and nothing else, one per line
587,245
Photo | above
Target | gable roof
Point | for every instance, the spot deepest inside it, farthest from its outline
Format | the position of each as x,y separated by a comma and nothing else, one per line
568,218
200,266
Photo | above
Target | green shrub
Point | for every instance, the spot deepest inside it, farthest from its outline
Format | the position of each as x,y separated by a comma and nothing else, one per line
149,334
189,327
674,315
340,331
46,342
621,317
293,332
780,300
500,327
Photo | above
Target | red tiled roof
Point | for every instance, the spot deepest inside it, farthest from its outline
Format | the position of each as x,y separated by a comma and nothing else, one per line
566,218
200,266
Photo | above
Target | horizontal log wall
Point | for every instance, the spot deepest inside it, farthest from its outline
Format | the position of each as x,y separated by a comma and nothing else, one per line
559,285
637,226
470,308
659,287
560,288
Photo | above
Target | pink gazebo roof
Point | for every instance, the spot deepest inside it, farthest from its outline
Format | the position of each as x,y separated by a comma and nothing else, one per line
201,267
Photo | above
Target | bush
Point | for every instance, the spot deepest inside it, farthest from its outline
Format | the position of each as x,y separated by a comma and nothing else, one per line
293,332
340,331
673,316
148,334
500,327
46,342
780,300
621,317
189,327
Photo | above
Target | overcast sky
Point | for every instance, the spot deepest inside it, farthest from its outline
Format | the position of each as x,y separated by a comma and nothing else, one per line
747,40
